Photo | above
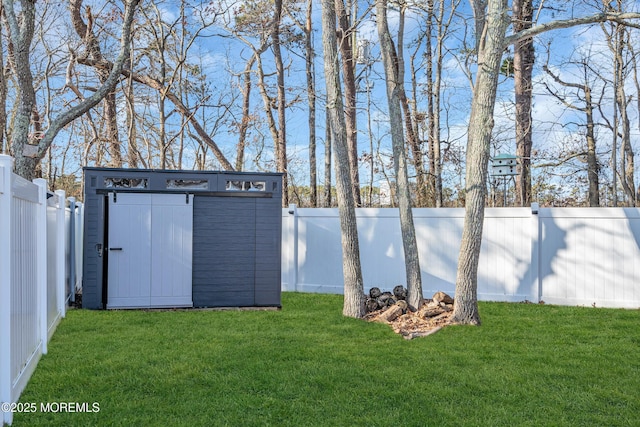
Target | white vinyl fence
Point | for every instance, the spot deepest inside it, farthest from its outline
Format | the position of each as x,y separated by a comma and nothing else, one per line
565,256
37,233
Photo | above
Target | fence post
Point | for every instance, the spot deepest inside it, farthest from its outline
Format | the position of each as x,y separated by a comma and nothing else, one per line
79,247
534,293
61,273
72,249
6,168
292,246
41,257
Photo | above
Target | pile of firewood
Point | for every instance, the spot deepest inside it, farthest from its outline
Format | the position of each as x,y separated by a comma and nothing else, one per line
378,300
392,309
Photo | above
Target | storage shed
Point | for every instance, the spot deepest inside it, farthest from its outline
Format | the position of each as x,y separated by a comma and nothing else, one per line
166,238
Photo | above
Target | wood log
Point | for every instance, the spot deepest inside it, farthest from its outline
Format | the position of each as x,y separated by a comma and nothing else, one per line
386,300
413,335
430,312
442,297
440,316
400,292
392,313
371,305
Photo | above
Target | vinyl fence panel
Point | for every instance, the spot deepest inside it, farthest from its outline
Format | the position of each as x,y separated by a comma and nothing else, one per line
591,256
32,277
579,256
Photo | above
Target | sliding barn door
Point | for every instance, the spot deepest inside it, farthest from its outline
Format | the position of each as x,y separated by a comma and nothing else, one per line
150,250
171,248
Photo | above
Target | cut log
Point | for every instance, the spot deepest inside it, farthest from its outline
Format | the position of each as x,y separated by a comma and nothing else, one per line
400,292
442,297
386,300
433,309
392,313
371,305
413,335
375,292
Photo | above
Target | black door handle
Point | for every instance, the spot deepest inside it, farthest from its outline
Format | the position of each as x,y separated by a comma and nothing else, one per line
115,249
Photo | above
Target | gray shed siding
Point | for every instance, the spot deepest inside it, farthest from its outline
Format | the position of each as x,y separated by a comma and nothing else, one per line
236,235
247,252
94,218
268,251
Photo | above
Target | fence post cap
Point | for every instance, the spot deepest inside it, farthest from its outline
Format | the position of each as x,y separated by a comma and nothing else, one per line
6,160
535,207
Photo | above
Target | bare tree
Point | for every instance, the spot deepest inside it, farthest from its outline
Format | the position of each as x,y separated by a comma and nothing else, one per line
491,26
617,45
394,96
346,31
437,27
587,109
3,95
93,51
281,142
311,101
21,32
327,162
354,297
409,119
305,24
243,126
523,60
262,21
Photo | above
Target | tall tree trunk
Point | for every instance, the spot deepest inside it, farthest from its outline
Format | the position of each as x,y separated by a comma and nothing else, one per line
592,156
162,133
133,154
491,47
348,70
327,161
3,96
311,101
281,142
21,35
267,102
434,129
392,76
246,111
523,60
354,297
634,65
626,149
432,108
433,73
412,137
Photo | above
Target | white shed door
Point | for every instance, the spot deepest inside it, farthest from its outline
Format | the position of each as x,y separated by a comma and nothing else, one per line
171,249
150,250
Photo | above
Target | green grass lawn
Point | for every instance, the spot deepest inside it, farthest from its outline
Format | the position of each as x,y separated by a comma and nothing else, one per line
306,365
